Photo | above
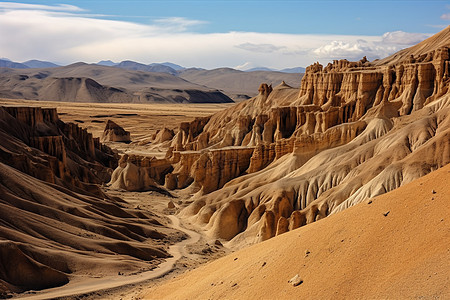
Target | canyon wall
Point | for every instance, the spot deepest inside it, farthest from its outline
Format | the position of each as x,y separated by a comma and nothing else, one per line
354,130
35,141
289,157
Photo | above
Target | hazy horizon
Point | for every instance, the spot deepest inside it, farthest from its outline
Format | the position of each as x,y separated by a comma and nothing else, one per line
213,34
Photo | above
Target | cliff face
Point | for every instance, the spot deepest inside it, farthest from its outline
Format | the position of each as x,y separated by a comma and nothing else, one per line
412,83
289,157
36,142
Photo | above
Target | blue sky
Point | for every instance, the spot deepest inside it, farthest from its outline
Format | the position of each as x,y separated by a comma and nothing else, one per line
211,34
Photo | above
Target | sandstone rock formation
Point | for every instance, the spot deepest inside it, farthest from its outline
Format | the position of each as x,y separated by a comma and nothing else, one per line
139,173
163,135
114,133
289,157
36,142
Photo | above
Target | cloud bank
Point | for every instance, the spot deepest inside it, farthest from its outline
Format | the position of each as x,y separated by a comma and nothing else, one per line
66,34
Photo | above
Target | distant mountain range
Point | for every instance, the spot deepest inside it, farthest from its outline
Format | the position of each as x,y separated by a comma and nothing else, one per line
6,63
165,67
130,81
287,70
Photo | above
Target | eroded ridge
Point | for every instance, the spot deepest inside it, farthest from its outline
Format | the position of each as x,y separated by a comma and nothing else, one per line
289,157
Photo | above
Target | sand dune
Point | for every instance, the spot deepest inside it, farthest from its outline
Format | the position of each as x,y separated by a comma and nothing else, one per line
394,246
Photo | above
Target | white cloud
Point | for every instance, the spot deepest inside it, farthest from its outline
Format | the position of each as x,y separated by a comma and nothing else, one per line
372,47
59,7
445,16
177,23
403,38
440,26
65,34
261,48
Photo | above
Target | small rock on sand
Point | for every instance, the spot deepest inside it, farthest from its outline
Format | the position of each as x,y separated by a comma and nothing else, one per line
296,280
171,204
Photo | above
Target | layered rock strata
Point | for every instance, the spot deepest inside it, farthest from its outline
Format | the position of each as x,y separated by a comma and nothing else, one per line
36,142
354,130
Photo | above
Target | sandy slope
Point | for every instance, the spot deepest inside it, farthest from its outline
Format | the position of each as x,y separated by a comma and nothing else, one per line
48,233
97,284
396,246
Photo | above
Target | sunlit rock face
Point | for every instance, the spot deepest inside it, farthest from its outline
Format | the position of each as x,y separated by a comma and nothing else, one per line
35,141
289,157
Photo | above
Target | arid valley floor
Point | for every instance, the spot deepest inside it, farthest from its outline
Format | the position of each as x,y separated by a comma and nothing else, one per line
142,121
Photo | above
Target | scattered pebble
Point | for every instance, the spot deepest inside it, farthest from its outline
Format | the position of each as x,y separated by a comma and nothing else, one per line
386,213
218,243
296,280
307,252
235,258
171,204
264,263
234,284
369,202
433,191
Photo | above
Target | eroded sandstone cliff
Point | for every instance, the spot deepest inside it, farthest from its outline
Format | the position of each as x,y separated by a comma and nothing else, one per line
289,157
35,141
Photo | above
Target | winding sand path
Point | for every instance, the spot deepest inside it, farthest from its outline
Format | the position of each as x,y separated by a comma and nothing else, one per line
97,284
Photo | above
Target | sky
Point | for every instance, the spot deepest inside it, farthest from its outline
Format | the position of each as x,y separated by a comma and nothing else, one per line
212,34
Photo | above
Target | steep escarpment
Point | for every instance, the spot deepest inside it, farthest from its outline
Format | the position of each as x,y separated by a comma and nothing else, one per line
36,142
289,157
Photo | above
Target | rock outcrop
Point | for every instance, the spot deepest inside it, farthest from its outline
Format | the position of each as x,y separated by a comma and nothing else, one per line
208,170
139,173
289,157
115,133
36,142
